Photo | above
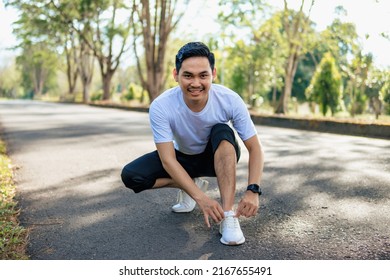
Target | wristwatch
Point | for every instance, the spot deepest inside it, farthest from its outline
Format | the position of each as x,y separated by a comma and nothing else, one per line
255,188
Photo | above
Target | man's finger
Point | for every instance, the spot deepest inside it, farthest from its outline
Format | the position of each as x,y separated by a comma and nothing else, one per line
206,220
221,214
240,210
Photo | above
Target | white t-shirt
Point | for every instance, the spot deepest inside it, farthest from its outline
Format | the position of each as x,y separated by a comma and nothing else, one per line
171,119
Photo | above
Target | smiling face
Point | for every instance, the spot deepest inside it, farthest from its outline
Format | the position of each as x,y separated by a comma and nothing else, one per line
195,78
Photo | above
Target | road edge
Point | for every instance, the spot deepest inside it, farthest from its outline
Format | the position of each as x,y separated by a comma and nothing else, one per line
371,130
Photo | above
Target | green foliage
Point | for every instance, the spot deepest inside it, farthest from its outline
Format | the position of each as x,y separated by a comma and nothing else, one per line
385,92
134,91
129,95
325,87
305,71
97,96
9,81
358,72
253,66
38,66
238,79
242,13
340,39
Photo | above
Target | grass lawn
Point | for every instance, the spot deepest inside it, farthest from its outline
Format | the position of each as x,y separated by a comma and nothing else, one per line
13,237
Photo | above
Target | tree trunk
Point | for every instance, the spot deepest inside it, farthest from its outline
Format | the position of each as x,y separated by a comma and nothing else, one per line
71,65
85,67
274,90
290,70
39,78
106,78
295,26
155,30
86,89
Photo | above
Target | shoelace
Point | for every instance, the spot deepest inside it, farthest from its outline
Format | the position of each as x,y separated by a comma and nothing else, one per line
231,222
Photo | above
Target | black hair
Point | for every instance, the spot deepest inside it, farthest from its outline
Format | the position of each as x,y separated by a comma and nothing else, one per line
194,49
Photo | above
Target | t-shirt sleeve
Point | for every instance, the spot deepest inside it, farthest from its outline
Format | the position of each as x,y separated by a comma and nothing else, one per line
242,121
159,121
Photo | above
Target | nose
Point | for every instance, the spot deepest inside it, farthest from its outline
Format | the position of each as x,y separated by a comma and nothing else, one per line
195,82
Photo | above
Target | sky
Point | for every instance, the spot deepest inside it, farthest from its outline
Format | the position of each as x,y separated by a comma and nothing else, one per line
371,17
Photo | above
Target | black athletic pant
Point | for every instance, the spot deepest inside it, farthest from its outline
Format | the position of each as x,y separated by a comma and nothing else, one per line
141,174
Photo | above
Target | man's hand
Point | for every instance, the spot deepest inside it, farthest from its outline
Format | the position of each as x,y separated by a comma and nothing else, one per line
211,208
248,205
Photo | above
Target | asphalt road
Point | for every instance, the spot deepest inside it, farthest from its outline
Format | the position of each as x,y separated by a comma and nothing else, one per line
325,196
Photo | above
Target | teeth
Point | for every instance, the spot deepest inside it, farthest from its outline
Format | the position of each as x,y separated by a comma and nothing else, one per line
195,90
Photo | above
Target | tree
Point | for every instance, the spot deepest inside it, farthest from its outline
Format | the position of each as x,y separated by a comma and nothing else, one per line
39,23
86,62
295,26
72,72
356,86
38,59
254,63
325,87
305,71
9,79
385,92
38,65
157,19
102,29
376,89
80,33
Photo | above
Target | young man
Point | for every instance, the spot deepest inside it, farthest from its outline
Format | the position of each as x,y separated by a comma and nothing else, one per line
191,126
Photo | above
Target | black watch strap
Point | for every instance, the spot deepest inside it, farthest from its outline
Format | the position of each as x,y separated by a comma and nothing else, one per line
255,188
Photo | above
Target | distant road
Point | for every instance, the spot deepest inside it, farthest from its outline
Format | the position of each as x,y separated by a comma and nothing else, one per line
325,196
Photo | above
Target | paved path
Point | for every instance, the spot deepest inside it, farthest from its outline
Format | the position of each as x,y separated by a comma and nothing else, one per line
325,196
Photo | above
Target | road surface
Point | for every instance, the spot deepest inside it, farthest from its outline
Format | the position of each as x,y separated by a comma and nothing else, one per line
325,196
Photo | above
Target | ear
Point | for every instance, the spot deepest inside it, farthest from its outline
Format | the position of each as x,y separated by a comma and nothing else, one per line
175,75
214,73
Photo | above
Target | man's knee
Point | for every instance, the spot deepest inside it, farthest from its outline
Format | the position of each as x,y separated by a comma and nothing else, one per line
133,180
222,136
226,146
221,128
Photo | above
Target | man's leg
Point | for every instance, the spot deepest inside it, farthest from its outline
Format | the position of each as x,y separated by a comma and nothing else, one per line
226,155
225,161
145,173
164,182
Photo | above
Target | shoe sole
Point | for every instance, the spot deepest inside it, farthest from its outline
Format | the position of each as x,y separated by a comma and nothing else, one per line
233,243
183,211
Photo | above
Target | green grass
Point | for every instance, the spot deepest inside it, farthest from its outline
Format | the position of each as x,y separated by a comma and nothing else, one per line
13,237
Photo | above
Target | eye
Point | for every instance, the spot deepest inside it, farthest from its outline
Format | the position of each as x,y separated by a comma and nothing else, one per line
204,76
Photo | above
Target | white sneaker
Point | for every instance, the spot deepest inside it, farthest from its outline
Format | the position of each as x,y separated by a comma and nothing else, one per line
231,230
185,203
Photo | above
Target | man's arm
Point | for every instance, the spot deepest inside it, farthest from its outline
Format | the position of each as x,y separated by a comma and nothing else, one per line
249,204
209,207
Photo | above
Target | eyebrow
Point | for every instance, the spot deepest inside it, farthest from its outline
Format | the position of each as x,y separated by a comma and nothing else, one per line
201,73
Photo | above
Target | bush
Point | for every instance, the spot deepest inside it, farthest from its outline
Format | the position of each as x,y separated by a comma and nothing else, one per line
129,95
325,86
97,96
134,92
